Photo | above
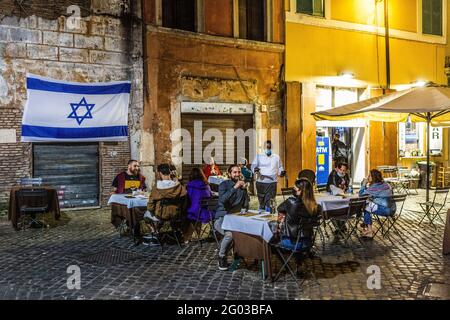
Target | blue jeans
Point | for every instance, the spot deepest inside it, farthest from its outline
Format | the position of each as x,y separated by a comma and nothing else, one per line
287,244
381,211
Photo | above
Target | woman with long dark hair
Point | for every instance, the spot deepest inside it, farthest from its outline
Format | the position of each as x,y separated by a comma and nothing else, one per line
198,190
301,207
381,199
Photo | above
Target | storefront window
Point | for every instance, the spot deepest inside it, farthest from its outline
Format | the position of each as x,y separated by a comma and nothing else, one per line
411,139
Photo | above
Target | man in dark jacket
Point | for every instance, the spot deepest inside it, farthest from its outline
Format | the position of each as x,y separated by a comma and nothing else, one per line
233,197
339,150
339,178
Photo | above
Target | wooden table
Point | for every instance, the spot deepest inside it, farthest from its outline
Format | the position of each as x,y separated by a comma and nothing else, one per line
253,247
251,237
14,214
130,209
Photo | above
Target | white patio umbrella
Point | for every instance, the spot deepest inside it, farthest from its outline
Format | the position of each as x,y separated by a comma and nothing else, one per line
430,104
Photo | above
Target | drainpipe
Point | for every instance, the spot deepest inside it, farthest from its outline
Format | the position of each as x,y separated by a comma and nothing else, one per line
386,38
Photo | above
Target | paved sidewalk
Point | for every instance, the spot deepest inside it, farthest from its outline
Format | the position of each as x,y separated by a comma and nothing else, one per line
34,266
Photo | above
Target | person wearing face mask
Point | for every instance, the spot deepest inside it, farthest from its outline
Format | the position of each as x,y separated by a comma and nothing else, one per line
233,197
269,167
339,179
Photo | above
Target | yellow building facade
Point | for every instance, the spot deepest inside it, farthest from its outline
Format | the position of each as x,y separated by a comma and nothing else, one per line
336,54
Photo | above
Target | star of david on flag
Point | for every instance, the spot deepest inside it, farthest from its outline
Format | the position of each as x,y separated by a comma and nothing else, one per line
72,111
76,106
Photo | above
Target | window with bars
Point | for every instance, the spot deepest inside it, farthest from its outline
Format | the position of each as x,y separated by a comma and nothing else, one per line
311,7
179,14
432,17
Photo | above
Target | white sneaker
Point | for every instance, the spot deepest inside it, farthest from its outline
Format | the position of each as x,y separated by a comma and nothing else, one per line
148,215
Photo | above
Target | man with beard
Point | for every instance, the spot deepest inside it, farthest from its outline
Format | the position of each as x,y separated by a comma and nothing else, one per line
130,179
269,167
233,197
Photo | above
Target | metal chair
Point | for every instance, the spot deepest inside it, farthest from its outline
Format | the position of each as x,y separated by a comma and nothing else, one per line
308,174
351,218
392,219
287,192
174,225
321,188
312,223
24,182
437,205
210,205
31,203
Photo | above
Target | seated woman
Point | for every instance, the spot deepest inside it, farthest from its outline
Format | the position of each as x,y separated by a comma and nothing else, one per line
380,203
197,190
301,207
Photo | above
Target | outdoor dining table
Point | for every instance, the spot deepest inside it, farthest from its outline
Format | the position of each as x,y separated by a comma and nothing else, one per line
14,214
334,204
128,207
251,236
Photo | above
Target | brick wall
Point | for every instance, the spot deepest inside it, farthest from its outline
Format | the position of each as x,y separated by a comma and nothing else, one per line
106,45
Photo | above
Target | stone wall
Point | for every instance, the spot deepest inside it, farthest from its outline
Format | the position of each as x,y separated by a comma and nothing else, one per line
184,66
104,44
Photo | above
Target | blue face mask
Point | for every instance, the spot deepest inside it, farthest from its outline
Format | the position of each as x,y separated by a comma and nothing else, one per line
340,174
268,152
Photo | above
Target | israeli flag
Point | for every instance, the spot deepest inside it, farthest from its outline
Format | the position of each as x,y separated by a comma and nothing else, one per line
72,111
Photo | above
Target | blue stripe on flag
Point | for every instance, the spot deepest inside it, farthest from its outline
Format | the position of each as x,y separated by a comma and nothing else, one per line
74,133
42,85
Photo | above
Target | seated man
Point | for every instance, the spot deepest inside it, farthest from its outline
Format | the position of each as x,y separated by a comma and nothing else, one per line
232,198
128,180
339,180
166,188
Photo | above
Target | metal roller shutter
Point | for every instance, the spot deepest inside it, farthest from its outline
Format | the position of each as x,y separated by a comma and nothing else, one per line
222,122
72,168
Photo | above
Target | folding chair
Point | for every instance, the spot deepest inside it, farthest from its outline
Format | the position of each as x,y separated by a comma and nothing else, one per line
308,174
392,219
170,228
437,205
287,192
351,218
31,203
209,204
312,223
30,182
321,188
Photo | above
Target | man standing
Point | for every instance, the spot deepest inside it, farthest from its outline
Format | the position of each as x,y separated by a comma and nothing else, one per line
269,167
339,150
233,197
128,180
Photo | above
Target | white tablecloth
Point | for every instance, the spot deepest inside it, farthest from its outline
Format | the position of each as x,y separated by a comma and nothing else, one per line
216,180
138,201
329,202
249,225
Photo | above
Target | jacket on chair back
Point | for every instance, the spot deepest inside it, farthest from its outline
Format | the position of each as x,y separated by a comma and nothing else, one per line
166,198
297,216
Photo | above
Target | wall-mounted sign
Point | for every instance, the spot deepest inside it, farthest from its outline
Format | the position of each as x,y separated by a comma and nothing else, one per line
215,107
322,159
436,140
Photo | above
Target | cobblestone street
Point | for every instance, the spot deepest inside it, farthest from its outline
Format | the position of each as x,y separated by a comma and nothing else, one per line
34,265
